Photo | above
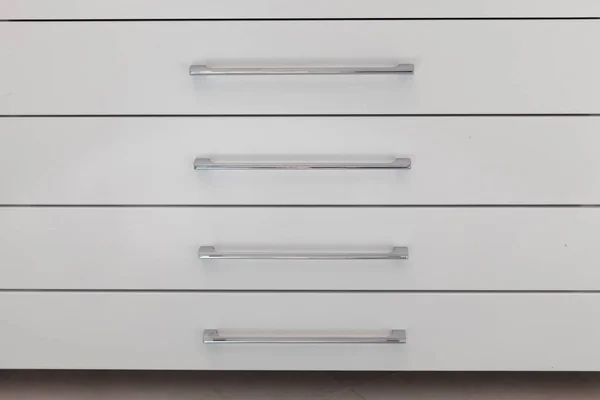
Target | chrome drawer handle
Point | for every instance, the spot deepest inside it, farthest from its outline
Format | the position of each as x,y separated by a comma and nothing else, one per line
396,69
206,164
209,253
212,336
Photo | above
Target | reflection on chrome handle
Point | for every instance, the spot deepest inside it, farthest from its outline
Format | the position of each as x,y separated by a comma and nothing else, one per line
396,69
209,253
212,336
206,164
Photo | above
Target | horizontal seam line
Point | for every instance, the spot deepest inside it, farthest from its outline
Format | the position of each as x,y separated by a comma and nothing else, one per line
287,115
299,205
331,19
283,291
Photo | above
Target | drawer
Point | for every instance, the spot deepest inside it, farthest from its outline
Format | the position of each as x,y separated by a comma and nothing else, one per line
166,331
143,68
168,248
248,9
150,161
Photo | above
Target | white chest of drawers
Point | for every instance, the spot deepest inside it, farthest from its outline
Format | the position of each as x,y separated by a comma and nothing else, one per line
382,185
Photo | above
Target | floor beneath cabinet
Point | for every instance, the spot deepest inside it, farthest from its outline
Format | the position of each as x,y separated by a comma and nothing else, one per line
84,385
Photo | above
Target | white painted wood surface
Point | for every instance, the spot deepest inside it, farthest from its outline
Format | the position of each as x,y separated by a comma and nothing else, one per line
232,9
517,160
157,248
69,275
461,67
550,332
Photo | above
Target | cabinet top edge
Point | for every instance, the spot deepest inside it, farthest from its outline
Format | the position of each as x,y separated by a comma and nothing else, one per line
294,9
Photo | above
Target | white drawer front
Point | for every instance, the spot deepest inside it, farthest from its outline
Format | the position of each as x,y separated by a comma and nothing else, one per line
158,248
517,160
231,9
461,67
164,331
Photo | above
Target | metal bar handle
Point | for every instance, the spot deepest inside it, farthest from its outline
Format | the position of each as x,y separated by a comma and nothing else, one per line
212,336
206,164
209,253
201,69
